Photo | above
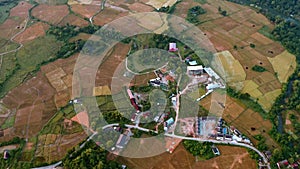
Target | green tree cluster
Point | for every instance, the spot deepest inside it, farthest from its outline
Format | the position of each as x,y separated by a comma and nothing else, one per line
258,68
193,13
91,156
199,149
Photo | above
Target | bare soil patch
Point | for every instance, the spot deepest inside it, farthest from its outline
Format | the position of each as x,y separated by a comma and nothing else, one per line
36,30
85,10
33,101
108,15
74,20
231,157
140,7
51,14
21,10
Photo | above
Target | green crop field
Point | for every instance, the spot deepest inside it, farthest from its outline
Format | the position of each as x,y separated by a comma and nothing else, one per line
29,59
8,66
9,122
5,6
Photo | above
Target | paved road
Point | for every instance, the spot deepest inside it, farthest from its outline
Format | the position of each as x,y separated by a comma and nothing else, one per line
129,126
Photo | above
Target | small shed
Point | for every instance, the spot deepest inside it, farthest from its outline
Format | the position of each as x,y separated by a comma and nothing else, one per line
195,70
6,155
172,47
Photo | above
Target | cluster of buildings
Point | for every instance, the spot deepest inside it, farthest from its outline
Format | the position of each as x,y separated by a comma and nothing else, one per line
287,164
124,139
134,104
215,128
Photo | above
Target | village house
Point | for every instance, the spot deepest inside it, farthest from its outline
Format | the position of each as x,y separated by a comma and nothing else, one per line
6,155
220,137
172,47
195,70
124,139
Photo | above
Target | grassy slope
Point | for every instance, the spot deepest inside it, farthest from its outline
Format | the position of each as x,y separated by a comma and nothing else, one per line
29,58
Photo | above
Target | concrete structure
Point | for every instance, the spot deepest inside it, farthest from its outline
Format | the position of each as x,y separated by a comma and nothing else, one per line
228,137
236,138
195,70
211,73
212,86
193,63
155,82
169,122
220,137
123,139
174,101
172,47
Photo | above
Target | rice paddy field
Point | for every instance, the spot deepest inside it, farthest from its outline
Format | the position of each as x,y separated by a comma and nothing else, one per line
232,35
35,97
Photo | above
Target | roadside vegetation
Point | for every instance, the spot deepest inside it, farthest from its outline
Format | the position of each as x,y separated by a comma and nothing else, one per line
203,150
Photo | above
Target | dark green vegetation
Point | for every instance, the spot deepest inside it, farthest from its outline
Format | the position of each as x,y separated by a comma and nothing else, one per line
266,31
14,155
222,12
193,13
258,68
272,9
252,45
262,143
287,101
253,154
203,150
91,156
286,15
5,6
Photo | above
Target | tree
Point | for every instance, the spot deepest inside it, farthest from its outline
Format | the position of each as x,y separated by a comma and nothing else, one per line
224,13
235,47
252,45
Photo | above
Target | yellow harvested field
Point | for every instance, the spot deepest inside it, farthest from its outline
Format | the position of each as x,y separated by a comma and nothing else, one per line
150,21
251,88
101,90
72,2
164,26
161,3
55,80
234,71
284,64
267,100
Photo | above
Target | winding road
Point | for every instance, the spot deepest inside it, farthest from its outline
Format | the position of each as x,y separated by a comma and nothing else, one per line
12,39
